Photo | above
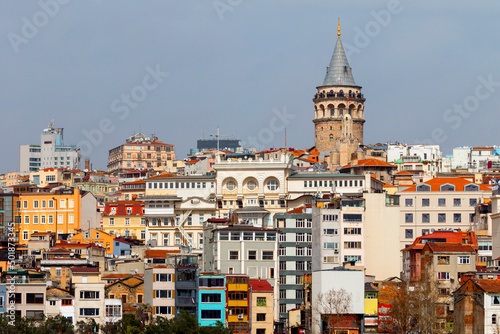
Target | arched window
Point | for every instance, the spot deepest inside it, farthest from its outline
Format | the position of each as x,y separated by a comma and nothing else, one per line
230,185
471,187
332,111
447,187
423,187
331,137
272,184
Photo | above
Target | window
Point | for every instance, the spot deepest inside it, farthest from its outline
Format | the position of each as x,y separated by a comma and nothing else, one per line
300,265
26,235
89,312
495,300
127,221
71,203
262,301
472,201
44,204
25,204
457,202
261,317
71,219
89,294
267,255
272,185
409,233
355,258
211,314
26,220
66,302
35,204
60,219
58,272
34,314
332,231
252,255
330,259
299,251
471,217
441,217
34,298
51,219
299,237
230,185
35,219
463,260
493,319
111,221
299,223
353,218
471,187
409,202
408,217
457,217
51,204
62,203
443,275
165,238
113,310
443,259
352,244
282,251
330,245
163,293
163,277
352,230
163,310
52,303
330,218
441,201
211,298
425,202
233,255
426,217
447,187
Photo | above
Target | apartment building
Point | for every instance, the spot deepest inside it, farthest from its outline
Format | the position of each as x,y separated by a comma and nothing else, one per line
60,302
248,182
62,211
140,152
125,219
211,299
7,208
294,258
51,153
186,284
176,207
159,289
133,190
89,294
443,203
238,303
28,293
129,290
262,309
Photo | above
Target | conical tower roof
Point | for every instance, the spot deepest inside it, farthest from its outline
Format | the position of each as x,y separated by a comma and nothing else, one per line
339,73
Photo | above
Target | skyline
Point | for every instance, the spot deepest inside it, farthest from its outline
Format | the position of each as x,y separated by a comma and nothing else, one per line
225,70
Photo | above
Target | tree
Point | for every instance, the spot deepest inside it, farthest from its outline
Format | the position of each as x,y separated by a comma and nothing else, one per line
332,307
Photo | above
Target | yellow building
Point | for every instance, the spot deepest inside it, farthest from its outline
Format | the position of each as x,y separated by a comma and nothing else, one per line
262,307
238,303
62,211
98,237
125,219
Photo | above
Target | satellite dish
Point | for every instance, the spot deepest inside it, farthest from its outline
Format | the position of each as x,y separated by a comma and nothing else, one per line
316,166
323,167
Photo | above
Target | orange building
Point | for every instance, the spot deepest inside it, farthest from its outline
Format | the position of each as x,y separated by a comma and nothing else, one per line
97,237
61,211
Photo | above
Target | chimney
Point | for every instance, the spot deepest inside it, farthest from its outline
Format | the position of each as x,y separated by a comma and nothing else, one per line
87,163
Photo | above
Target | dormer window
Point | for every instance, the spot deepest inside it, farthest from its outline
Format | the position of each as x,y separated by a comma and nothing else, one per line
471,187
423,187
447,187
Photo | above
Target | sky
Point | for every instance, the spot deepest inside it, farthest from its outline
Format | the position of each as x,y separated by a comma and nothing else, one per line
106,69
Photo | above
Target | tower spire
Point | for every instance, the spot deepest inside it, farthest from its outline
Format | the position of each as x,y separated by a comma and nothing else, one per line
338,28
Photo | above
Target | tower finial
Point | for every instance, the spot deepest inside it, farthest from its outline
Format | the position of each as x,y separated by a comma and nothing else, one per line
338,28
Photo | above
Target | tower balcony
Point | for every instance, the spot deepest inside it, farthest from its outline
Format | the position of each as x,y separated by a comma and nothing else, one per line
339,96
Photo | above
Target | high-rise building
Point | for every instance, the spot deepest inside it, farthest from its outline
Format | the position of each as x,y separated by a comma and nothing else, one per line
141,152
51,153
339,110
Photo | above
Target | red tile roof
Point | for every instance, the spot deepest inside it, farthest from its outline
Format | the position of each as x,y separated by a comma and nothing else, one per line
450,247
368,163
135,182
489,285
85,270
161,176
458,182
121,208
403,172
159,253
260,285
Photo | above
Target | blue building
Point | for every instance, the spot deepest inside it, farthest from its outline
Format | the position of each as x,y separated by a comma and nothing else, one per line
122,247
211,299
3,298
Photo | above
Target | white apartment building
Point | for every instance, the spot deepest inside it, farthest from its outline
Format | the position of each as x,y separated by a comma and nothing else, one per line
51,153
475,157
89,294
439,204
159,290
